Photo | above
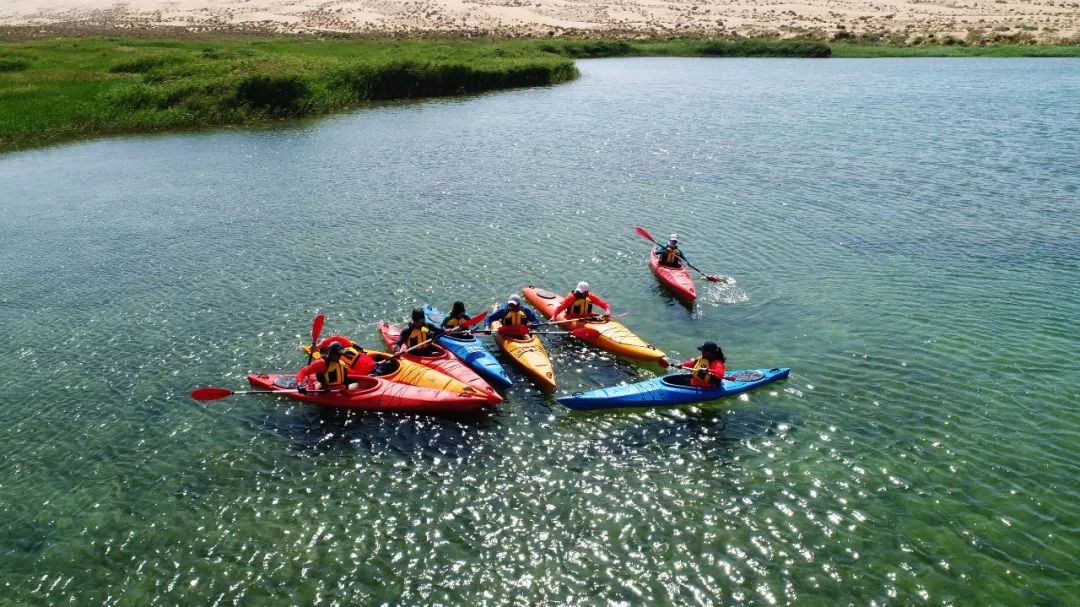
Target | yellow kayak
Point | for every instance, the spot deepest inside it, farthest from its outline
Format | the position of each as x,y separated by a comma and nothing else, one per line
530,354
610,335
411,373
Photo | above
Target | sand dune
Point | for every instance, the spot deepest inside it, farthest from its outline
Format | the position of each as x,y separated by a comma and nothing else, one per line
1039,20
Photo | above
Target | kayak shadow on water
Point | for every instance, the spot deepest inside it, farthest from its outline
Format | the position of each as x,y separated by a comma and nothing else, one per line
315,431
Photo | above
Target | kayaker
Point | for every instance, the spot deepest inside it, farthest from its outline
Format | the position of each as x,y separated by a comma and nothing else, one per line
669,254
579,304
456,316
708,369
330,370
416,332
357,359
516,318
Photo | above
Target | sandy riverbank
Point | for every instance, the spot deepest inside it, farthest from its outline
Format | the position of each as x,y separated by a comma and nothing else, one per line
1035,21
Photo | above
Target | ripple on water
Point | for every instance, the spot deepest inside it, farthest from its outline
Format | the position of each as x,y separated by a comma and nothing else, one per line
921,289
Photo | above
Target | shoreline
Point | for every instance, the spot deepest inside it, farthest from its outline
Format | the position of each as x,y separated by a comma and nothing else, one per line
55,90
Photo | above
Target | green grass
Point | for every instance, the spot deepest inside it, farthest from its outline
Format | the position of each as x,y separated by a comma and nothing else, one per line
63,89
854,50
58,90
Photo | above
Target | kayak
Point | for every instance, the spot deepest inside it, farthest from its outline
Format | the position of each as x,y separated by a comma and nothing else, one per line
471,351
436,357
376,394
677,279
609,335
671,390
413,373
530,354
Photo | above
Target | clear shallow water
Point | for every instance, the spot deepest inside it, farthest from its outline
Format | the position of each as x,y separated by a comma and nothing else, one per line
904,234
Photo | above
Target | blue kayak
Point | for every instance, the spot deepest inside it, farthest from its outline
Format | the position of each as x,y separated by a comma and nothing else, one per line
471,351
670,390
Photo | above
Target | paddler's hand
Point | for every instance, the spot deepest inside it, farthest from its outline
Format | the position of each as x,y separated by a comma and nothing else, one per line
301,389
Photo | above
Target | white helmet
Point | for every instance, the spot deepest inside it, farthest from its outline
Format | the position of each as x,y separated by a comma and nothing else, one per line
674,238
514,299
582,287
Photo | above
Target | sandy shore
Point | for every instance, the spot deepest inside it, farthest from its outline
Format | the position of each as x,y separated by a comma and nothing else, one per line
1036,21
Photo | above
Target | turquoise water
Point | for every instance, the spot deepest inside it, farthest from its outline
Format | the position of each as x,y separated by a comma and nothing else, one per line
904,234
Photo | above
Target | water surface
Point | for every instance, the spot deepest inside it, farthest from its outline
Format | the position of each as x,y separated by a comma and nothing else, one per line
904,235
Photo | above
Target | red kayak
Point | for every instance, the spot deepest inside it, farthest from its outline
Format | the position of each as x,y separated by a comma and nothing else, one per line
438,358
376,394
676,279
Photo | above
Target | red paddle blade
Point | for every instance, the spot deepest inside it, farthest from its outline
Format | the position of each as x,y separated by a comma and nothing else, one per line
316,328
204,394
585,333
475,320
642,233
663,362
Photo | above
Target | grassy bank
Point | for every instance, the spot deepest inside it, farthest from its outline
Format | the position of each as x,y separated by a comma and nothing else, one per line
62,89
848,50
56,90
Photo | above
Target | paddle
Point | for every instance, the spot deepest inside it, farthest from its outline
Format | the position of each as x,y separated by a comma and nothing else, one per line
582,319
316,331
458,329
709,277
205,394
585,333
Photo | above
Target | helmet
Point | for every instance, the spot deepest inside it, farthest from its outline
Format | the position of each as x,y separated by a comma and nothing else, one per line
417,314
674,238
582,287
336,349
514,300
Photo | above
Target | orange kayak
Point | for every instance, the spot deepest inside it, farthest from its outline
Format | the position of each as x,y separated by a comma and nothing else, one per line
412,373
609,335
438,358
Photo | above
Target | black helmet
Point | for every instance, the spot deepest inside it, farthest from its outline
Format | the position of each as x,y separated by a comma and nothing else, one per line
417,314
459,308
336,349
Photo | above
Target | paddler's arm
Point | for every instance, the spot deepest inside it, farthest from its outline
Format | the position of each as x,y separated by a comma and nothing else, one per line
569,299
318,366
496,315
402,338
530,315
596,299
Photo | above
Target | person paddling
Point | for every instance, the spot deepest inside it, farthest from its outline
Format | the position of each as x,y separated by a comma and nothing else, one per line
354,356
331,372
516,318
416,333
707,369
455,318
580,302
669,254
